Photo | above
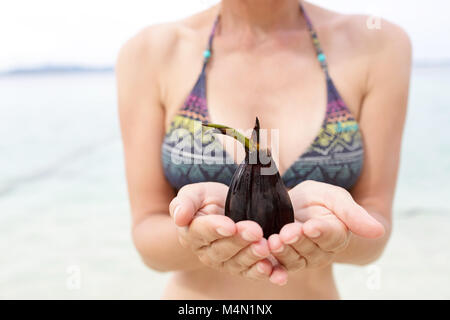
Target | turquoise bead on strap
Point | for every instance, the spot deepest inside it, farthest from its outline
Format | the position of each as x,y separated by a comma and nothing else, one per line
207,53
321,57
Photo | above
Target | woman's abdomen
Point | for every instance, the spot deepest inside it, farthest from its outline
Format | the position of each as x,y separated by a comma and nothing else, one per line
210,284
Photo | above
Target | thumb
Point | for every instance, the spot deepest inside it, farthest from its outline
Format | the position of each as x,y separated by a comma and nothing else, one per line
193,197
356,218
186,204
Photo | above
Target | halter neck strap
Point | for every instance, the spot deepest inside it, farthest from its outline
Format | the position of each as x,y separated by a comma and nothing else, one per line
315,39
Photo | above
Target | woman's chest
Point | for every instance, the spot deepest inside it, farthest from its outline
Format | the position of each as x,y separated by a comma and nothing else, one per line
274,80
286,91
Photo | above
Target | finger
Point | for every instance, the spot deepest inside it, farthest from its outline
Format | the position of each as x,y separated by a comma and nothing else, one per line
291,232
193,197
247,257
329,233
275,243
279,275
341,203
247,233
313,255
285,254
311,211
259,271
205,229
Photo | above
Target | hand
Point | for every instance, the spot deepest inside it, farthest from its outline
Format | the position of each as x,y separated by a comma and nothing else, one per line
235,248
326,216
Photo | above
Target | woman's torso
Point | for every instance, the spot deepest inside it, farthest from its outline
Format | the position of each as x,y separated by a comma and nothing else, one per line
281,81
329,150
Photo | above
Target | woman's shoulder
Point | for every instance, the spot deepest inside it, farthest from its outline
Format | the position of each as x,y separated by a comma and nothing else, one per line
372,32
364,34
358,32
156,44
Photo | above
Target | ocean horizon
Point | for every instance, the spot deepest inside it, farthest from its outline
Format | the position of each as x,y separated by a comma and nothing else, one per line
50,68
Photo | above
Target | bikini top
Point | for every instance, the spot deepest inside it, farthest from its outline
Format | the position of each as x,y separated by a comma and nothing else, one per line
190,155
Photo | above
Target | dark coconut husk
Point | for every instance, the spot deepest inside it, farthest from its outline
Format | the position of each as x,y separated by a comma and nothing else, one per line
256,192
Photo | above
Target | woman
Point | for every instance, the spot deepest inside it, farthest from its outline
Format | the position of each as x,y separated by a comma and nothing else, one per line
334,88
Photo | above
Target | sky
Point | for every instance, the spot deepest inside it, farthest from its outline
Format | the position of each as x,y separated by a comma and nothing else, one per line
90,32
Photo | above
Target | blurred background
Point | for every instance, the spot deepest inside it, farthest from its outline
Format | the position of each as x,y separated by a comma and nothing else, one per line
64,216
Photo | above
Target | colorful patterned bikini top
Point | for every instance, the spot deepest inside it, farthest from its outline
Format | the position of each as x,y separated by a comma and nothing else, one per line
190,155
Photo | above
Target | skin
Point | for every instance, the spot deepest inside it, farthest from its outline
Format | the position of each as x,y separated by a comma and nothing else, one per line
264,47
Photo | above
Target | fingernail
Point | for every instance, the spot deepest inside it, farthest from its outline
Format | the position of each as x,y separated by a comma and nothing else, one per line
177,209
314,234
283,283
257,253
248,236
224,232
293,240
279,250
260,268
